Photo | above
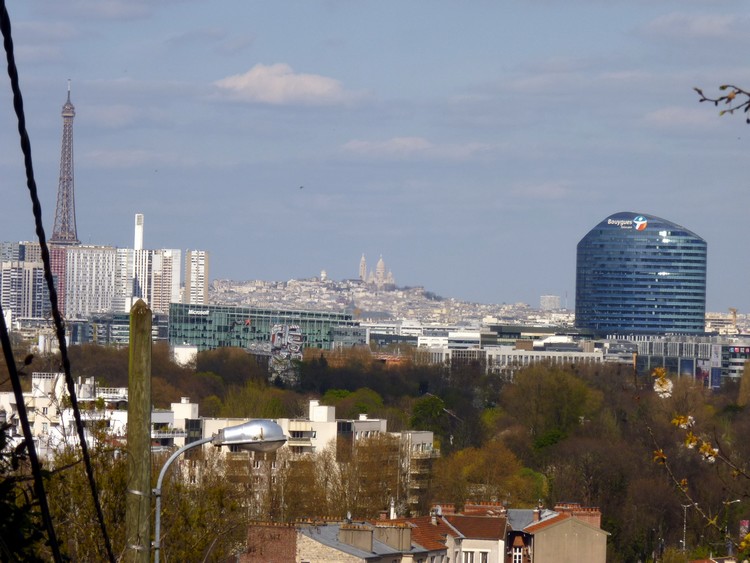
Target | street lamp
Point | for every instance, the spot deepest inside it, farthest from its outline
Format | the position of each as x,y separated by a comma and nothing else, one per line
684,524
727,537
259,435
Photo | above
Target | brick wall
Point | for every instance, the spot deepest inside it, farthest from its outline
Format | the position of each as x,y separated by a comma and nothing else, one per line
270,544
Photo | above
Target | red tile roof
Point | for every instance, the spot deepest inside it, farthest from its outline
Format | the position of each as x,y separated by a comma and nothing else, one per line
425,533
479,527
537,526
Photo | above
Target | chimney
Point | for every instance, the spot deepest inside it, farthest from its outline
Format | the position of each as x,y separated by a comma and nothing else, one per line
356,536
590,515
397,536
535,515
138,239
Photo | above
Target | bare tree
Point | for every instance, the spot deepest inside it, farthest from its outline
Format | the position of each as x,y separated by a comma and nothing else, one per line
734,100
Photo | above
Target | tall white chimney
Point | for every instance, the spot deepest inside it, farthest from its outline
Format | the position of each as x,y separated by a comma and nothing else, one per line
138,244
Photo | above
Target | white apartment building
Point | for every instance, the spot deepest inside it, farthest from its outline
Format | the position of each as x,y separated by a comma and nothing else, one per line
23,289
507,360
313,434
165,279
196,277
89,279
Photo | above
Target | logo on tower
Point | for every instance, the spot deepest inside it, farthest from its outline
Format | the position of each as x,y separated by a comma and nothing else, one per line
640,223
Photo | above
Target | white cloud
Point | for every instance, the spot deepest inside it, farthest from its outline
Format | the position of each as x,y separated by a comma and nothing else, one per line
675,116
692,26
404,148
278,84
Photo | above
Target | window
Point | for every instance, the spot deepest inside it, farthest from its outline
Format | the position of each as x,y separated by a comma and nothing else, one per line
484,556
44,410
468,557
517,555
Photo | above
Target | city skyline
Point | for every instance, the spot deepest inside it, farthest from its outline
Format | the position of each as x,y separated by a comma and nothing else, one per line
471,146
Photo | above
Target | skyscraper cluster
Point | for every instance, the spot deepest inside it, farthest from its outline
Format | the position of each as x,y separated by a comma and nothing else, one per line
92,279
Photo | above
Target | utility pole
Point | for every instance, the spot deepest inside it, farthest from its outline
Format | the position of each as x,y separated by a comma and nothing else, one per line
138,501
684,525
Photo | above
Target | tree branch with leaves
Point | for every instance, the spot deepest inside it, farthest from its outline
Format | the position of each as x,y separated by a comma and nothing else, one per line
736,98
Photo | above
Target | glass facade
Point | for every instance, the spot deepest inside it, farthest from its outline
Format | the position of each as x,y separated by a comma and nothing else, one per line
214,326
639,274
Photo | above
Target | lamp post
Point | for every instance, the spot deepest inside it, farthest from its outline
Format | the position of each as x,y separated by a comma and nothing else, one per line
727,537
259,435
684,524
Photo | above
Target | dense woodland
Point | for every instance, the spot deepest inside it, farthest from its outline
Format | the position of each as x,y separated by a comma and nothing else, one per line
597,435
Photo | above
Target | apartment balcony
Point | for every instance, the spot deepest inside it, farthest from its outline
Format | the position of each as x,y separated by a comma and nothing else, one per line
302,442
168,433
415,485
428,454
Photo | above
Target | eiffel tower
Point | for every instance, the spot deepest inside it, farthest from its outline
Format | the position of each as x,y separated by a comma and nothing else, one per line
64,231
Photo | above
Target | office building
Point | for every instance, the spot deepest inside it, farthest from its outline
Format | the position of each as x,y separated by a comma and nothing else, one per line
214,326
640,274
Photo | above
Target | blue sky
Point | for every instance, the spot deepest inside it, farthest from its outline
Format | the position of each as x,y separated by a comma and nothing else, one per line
470,144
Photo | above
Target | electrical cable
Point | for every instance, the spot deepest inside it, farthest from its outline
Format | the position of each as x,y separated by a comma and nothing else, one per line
36,468
37,209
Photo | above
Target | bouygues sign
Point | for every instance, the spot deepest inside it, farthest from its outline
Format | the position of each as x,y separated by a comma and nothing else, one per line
638,223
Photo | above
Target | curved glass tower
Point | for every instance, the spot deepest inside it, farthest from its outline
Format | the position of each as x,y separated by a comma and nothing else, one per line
639,274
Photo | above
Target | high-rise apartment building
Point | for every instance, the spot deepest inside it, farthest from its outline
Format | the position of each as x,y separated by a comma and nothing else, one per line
124,276
23,290
89,279
549,302
639,274
196,277
165,279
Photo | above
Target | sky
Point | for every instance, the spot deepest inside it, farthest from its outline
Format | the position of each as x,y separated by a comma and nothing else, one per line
470,144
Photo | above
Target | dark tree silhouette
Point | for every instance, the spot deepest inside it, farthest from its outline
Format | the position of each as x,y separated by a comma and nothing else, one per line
735,100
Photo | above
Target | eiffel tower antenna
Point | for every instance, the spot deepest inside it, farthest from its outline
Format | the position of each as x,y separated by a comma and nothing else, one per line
64,231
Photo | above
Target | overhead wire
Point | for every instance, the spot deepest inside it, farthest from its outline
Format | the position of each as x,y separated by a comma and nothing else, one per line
57,317
36,468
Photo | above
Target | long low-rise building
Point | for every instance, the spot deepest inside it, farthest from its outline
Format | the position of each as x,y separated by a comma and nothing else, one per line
214,326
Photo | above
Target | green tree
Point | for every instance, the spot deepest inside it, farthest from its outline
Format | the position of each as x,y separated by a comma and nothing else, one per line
352,404
234,365
259,400
21,528
549,401
70,500
429,413
204,513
